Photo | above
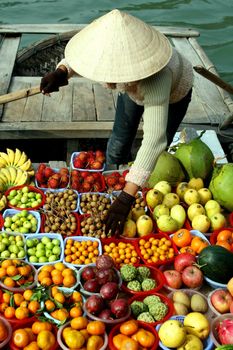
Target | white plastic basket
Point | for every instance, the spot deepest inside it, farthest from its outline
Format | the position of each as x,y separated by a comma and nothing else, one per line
107,195
62,190
81,238
39,236
45,189
211,306
12,212
70,267
24,243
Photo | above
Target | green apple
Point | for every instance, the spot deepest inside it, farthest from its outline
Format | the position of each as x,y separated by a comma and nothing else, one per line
24,213
33,259
48,253
40,246
23,230
5,254
2,247
21,254
46,240
31,251
56,241
52,258
49,246
25,189
57,250
20,244
13,256
29,243
43,259
6,241
27,224
40,253
13,249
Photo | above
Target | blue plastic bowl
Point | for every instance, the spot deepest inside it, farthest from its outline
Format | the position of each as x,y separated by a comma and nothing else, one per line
207,343
214,284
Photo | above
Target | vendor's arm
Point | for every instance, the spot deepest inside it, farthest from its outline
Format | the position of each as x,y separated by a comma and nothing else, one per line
156,103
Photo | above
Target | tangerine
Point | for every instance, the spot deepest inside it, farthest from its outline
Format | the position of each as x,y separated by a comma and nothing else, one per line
12,270
20,338
9,312
39,326
69,281
18,299
33,306
9,282
21,313
75,312
27,294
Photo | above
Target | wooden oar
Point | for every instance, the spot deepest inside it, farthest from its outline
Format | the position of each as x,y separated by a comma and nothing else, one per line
214,78
222,84
16,95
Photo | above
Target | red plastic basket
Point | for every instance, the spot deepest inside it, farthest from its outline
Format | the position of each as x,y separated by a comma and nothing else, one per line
231,219
116,330
164,299
156,274
32,189
157,236
76,233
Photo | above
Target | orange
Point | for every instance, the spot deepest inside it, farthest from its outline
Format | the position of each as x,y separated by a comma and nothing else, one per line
49,304
24,304
43,274
59,297
9,282
69,281
78,323
62,314
3,331
48,268
225,235
57,279
46,281
75,311
27,294
24,270
33,306
2,272
76,296
39,326
98,328
6,297
7,263
54,290
21,313
18,299
67,271
20,338
32,346
59,266
129,343
3,307
9,312
46,340
12,271
118,339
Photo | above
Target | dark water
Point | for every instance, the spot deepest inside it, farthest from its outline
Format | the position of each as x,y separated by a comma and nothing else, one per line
212,18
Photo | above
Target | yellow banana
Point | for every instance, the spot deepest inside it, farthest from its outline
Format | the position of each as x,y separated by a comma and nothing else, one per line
31,172
7,174
23,179
3,162
22,159
11,155
13,173
26,166
18,154
3,177
6,157
18,176
3,202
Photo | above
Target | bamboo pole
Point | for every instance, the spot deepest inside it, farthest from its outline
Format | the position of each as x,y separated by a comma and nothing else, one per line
17,95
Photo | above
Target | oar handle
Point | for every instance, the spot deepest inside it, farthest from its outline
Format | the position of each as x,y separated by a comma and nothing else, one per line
16,95
214,78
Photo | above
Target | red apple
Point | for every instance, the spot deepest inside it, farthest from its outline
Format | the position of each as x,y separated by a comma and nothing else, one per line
192,277
183,260
221,299
173,278
231,307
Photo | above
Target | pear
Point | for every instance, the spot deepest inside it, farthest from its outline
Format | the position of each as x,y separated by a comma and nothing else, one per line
181,189
137,212
167,224
201,223
196,183
178,213
198,303
163,186
154,197
159,210
205,195
217,221
144,225
212,207
191,196
195,209
129,229
171,199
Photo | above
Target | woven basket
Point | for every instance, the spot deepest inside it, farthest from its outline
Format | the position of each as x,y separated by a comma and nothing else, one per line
42,56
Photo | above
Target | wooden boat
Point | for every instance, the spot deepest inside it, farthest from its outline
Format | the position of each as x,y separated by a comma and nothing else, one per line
84,109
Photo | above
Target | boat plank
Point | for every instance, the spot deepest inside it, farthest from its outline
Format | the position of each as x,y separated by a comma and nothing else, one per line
8,51
207,93
61,28
58,106
104,101
13,111
83,100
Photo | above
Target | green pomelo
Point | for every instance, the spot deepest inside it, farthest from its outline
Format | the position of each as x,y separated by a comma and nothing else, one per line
196,158
167,168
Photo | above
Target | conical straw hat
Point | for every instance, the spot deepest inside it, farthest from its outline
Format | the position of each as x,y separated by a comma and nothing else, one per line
118,48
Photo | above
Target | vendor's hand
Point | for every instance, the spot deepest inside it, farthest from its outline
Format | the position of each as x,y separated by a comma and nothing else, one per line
118,213
52,81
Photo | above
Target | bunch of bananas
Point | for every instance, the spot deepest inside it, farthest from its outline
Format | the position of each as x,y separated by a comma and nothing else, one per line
3,201
11,176
16,159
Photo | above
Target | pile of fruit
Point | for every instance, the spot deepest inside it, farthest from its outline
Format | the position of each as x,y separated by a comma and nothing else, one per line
66,282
